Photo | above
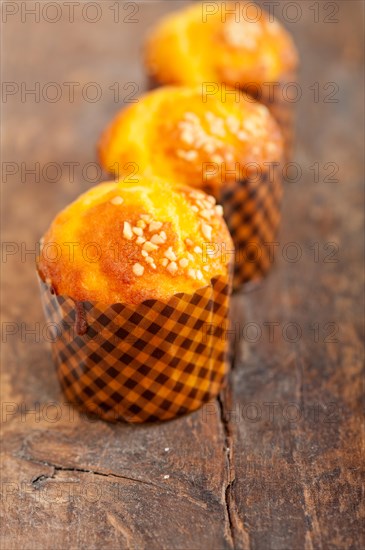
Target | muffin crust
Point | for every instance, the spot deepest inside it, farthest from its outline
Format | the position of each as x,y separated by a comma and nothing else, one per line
126,243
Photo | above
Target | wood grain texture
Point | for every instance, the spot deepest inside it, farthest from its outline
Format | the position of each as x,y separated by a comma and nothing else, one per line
275,463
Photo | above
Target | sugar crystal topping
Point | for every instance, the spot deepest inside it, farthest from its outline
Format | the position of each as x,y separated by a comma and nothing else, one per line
148,234
211,136
243,34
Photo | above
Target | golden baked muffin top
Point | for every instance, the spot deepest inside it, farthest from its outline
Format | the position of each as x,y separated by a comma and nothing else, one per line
221,42
132,242
186,135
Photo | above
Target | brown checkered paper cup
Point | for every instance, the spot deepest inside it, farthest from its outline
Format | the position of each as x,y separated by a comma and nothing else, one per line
144,363
252,210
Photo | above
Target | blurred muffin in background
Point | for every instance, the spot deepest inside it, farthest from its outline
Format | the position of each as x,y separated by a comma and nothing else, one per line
230,44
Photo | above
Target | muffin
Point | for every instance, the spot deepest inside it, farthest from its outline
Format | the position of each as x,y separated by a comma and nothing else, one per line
235,44
140,292
232,149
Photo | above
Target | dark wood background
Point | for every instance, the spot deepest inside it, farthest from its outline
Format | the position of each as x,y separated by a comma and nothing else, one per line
276,462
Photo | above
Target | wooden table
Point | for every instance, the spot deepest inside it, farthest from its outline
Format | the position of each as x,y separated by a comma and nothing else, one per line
275,462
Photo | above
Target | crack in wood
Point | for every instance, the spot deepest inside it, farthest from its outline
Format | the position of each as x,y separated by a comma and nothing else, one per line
36,482
228,498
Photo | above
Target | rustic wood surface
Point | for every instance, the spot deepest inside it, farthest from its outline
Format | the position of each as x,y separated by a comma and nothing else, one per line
275,463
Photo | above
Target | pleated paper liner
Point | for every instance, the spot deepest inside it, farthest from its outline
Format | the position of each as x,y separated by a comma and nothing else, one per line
150,362
252,210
